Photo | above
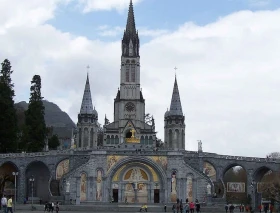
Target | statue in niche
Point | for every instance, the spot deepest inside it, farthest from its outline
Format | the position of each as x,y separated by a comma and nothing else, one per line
173,187
99,185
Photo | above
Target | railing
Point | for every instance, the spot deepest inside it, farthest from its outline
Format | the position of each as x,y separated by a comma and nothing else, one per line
230,157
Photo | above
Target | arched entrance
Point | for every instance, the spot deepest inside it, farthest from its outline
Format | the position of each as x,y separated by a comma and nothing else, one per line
8,177
263,185
39,187
235,180
136,181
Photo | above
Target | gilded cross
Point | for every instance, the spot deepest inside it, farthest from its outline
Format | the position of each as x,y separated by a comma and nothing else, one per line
132,133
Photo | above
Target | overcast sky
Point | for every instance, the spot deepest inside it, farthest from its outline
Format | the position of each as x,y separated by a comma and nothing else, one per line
227,53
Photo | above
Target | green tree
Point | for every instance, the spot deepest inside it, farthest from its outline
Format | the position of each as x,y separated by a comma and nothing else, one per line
35,129
8,119
53,142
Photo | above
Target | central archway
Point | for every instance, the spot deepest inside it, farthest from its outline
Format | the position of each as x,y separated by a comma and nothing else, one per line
137,180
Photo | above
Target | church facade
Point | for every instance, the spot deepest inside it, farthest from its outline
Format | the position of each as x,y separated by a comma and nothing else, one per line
132,169
123,163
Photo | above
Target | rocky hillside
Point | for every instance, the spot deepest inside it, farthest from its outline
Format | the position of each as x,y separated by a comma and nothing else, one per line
54,116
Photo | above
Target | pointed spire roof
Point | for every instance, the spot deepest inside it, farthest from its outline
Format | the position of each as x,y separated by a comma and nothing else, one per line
86,107
130,25
175,106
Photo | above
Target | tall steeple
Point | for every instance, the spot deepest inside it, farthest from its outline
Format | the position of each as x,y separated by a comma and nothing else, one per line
130,24
175,106
130,41
86,107
174,122
87,121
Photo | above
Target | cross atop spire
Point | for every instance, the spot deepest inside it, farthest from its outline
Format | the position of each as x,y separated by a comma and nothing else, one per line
175,106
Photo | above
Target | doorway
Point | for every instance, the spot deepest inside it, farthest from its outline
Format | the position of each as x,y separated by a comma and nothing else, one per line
115,195
156,195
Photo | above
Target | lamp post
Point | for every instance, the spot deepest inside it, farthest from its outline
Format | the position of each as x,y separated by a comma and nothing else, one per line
31,180
15,174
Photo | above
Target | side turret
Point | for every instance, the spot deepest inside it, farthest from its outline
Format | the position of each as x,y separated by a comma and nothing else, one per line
174,122
87,121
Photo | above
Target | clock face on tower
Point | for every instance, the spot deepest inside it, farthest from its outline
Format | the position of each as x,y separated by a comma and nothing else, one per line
129,107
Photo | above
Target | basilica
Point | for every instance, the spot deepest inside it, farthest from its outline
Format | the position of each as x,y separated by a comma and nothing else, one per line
122,162
129,167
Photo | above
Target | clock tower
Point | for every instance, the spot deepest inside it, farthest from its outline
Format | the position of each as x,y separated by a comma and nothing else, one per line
129,104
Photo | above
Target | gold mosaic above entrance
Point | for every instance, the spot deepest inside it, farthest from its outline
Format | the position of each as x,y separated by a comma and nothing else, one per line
132,139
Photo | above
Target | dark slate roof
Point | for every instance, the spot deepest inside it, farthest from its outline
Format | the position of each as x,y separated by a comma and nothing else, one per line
86,107
175,106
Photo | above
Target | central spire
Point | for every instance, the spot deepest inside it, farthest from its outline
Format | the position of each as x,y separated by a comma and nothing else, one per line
130,25
130,41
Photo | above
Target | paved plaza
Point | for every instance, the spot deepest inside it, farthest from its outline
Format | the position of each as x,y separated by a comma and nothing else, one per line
108,209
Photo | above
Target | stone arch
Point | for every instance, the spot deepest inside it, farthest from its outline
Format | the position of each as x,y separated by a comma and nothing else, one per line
144,179
233,164
41,174
143,167
260,172
138,160
235,186
61,168
210,172
6,170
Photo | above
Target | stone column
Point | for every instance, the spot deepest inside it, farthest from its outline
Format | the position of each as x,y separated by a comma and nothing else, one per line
168,190
120,193
94,186
78,198
184,189
195,189
251,187
151,193
21,185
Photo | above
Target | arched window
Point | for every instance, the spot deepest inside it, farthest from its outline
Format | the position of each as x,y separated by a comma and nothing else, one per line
150,140
177,139
142,141
146,140
112,140
116,140
86,137
133,73
108,139
127,73
170,138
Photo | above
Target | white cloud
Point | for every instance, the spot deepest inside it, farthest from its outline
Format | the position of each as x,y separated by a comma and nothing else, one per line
228,74
93,5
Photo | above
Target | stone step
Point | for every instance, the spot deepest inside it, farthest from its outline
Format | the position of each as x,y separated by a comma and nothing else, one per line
109,207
